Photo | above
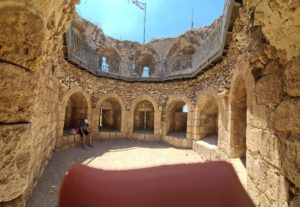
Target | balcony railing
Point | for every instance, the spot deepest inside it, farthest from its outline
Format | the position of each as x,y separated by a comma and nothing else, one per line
81,54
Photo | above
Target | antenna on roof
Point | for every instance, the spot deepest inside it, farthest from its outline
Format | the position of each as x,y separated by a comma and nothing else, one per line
192,26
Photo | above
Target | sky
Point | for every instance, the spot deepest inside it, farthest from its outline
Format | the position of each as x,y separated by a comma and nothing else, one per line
165,18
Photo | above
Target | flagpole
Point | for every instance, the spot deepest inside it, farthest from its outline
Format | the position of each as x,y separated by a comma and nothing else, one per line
145,23
192,26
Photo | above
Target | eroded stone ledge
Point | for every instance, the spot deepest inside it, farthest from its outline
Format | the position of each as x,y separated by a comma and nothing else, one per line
15,144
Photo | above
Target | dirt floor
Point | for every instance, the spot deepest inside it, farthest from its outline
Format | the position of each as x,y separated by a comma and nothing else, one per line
120,154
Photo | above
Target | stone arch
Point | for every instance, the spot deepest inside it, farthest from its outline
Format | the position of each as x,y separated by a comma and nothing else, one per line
71,103
176,120
145,60
238,117
153,115
177,50
207,117
183,46
180,55
109,60
115,112
76,111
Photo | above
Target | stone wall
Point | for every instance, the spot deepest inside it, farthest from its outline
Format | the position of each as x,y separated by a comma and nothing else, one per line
88,47
30,38
255,89
159,49
162,95
251,96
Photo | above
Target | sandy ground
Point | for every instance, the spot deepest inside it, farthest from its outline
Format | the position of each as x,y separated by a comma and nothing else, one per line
120,154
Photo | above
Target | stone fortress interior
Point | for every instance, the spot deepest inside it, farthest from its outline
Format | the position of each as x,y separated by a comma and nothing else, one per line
229,91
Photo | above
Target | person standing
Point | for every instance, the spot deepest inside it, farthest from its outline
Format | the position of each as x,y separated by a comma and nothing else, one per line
85,132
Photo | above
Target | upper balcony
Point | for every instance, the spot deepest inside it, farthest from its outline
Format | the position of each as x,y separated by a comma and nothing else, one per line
145,67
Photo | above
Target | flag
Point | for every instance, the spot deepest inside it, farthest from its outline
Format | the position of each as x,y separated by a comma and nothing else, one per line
141,5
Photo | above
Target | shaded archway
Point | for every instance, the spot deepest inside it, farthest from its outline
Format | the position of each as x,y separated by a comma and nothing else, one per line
109,60
177,115
144,117
76,111
208,113
238,119
110,115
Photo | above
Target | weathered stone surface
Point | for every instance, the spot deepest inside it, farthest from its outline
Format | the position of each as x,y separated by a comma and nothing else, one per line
287,117
184,44
269,90
28,35
292,78
30,38
207,151
295,202
18,89
21,43
15,144
280,22
253,191
290,159
258,116
18,202
269,148
272,186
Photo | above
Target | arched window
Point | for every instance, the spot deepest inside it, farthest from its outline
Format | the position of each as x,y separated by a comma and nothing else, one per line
104,65
146,72
145,65
185,108
180,58
109,61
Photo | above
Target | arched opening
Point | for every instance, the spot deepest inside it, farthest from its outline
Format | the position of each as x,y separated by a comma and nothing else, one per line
144,117
104,65
177,113
208,120
145,65
109,61
146,72
238,120
76,112
180,58
177,51
110,116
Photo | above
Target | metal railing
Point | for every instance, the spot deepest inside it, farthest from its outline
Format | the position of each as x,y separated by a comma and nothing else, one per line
81,54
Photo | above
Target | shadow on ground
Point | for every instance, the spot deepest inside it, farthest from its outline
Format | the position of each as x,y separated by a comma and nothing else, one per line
119,154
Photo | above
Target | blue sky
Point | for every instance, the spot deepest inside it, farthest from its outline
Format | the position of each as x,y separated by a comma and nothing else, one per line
165,18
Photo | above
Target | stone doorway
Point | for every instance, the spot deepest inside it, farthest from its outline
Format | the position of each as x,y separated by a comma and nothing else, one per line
76,112
110,115
208,120
144,117
177,114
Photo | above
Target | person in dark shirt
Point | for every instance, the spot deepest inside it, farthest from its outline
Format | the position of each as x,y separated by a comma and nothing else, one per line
85,132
